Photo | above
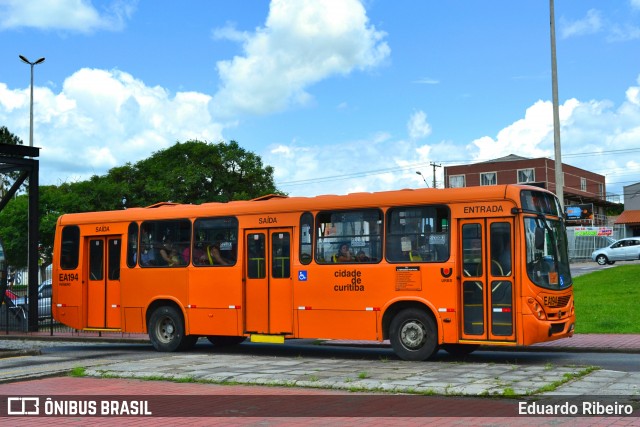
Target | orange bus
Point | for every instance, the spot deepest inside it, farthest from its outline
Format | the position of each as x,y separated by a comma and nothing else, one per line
425,269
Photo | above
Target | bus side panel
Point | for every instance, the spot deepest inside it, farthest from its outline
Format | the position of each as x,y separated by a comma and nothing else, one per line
141,286
338,324
133,320
215,297
68,297
208,321
69,316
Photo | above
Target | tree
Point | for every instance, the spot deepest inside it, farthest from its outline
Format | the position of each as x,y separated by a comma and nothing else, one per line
195,172
7,179
191,172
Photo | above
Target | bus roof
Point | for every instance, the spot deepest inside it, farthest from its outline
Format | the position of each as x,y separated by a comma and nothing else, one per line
277,203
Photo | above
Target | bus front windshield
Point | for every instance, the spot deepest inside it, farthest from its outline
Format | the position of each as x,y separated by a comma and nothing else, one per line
547,259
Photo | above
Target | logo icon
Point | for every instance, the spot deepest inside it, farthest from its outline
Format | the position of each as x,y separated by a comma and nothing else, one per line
302,275
446,272
23,405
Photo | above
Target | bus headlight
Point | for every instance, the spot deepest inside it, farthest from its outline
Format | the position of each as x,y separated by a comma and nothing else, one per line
536,309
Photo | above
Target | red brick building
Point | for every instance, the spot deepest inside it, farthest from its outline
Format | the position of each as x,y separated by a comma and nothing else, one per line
581,187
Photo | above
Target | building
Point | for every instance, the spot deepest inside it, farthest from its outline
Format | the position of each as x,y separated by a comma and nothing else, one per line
630,218
585,196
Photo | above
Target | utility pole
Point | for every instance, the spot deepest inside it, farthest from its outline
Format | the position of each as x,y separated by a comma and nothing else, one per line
434,173
556,112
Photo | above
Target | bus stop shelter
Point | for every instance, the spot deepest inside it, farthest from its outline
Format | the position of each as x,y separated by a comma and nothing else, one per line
23,160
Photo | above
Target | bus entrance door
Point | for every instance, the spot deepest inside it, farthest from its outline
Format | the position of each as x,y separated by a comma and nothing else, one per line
103,282
487,279
268,285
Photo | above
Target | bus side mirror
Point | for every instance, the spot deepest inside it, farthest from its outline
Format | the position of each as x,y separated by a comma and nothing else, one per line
539,238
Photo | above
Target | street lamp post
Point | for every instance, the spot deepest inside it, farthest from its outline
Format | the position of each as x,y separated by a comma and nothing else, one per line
423,178
39,61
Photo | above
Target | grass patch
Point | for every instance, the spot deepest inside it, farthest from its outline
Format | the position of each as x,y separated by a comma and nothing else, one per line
565,379
607,301
78,371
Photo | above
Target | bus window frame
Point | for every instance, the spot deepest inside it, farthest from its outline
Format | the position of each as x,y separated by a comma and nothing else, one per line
404,238
373,239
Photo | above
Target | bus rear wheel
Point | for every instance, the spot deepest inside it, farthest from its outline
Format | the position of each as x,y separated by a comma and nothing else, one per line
166,330
413,335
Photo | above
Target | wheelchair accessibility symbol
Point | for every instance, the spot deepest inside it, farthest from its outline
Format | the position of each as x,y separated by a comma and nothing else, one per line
302,275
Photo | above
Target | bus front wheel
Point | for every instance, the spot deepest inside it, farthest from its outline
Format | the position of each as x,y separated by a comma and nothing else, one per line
413,335
166,330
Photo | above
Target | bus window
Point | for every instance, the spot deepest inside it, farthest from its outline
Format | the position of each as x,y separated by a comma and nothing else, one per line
472,250
360,230
70,247
132,245
114,259
417,234
163,243
96,259
280,255
306,236
256,256
215,242
500,249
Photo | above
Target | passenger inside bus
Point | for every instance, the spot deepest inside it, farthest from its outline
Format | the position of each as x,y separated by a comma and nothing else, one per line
147,254
362,257
199,255
169,254
344,254
213,253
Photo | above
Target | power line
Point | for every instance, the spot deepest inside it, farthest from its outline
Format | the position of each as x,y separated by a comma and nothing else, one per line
373,172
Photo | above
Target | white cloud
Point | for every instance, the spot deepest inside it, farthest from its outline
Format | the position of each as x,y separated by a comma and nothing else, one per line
623,33
69,15
101,119
418,127
595,127
302,43
590,24
427,81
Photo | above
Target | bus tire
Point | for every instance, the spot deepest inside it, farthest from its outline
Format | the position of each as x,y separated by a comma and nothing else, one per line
225,340
413,335
166,330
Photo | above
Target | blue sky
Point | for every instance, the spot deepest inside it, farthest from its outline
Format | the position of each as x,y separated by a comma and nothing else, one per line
338,96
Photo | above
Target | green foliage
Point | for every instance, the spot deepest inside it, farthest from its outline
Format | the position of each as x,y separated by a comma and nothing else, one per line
195,172
191,172
607,301
7,179
14,226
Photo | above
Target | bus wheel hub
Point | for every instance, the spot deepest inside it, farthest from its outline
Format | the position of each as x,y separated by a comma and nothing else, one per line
413,334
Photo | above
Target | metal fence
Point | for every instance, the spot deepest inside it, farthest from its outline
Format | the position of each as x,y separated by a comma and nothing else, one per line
14,311
581,247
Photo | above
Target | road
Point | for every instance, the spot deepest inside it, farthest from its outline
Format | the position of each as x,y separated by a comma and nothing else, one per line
581,268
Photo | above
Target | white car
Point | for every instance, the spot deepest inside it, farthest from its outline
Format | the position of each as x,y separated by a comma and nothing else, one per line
623,250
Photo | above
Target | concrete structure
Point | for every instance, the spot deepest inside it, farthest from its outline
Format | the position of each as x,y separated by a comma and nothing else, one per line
630,218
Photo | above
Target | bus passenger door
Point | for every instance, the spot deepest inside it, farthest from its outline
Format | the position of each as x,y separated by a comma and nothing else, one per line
487,279
103,282
268,284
